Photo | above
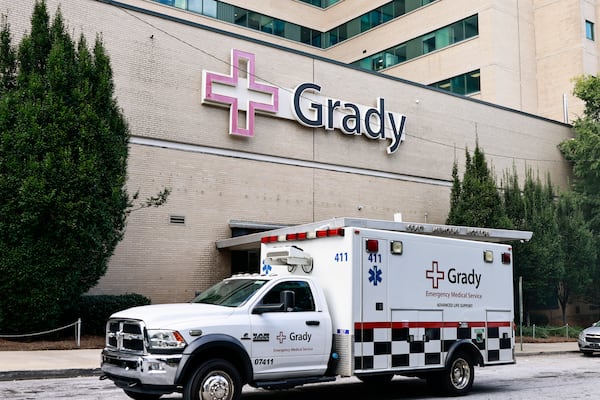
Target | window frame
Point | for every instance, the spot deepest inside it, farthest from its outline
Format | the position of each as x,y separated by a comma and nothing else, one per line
590,33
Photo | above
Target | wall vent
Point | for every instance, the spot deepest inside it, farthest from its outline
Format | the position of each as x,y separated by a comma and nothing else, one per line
177,219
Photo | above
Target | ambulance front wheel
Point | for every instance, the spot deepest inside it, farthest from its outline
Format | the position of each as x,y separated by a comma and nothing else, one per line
214,380
457,380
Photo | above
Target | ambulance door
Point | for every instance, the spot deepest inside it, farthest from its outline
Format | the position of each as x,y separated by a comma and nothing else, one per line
290,342
375,341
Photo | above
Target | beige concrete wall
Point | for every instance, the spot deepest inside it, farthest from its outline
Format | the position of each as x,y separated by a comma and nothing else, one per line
157,67
504,50
560,39
589,12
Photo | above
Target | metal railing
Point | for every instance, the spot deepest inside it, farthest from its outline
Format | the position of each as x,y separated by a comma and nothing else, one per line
76,324
544,329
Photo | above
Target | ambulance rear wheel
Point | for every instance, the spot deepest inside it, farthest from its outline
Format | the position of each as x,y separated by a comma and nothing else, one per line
214,380
457,380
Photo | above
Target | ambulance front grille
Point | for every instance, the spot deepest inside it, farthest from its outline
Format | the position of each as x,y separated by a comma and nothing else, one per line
125,335
343,347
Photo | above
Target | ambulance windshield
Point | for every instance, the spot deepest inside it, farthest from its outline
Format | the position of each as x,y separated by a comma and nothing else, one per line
230,293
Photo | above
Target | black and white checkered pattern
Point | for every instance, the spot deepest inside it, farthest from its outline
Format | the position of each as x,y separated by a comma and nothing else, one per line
377,348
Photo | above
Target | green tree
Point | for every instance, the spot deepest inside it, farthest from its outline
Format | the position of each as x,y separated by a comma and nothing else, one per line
539,262
512,199
583,151
578,246
63,161
8,59
475,201
453,214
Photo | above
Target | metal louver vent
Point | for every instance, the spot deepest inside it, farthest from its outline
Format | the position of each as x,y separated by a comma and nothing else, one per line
177,219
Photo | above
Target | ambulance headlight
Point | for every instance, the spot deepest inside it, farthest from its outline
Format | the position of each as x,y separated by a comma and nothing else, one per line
163,339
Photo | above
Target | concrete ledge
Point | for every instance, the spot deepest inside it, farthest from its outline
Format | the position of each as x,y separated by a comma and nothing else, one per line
48,374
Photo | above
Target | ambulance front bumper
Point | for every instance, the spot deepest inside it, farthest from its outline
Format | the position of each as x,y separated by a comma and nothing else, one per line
128,370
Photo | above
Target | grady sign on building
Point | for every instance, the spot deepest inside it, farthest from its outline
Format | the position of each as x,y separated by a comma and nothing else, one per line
249,136
302,103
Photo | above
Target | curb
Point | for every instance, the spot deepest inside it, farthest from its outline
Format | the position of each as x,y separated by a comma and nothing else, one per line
49,374
543,353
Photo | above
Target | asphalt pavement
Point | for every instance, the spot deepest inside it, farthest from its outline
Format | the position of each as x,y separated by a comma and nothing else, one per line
41,364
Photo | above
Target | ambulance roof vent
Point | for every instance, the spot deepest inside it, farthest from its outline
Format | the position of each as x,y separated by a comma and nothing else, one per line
291,256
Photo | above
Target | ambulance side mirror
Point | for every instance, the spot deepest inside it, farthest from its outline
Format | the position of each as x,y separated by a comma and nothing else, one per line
288,298
288,302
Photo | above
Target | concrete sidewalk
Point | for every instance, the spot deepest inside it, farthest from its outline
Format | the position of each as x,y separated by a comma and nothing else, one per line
18,365
49,364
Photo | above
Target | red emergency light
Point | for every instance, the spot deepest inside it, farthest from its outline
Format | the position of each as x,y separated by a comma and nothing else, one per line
303,235
372,245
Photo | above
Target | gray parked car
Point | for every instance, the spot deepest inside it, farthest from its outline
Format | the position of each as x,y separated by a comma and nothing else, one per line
589,339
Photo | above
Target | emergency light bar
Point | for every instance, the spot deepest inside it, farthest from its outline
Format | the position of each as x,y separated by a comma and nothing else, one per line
336,227
321,233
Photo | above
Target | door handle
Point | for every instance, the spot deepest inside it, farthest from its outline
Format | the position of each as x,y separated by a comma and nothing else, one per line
313,323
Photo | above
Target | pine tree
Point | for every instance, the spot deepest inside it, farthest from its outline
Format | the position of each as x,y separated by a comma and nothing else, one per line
476,201
8,60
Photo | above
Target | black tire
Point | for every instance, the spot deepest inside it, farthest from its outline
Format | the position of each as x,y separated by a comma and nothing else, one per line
457,380
142,396
214,379
376,380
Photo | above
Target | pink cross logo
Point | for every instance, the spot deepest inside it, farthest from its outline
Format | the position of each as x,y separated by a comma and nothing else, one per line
224,90
434,274
281,337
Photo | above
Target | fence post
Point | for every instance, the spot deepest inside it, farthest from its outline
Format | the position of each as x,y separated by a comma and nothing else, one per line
78,332
534,331
567,330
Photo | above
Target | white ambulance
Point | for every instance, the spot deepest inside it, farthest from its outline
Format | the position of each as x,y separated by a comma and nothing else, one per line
336,298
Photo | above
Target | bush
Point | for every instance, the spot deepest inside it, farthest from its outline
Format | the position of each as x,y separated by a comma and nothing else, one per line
539,319
545,331
94,311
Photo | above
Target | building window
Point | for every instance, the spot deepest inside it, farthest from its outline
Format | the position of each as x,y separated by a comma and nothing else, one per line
320,3
273,26
464,84
589,30
438,39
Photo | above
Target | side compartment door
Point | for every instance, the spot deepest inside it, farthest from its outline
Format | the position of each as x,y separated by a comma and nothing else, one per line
290,342
373,333
499,340
417,338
